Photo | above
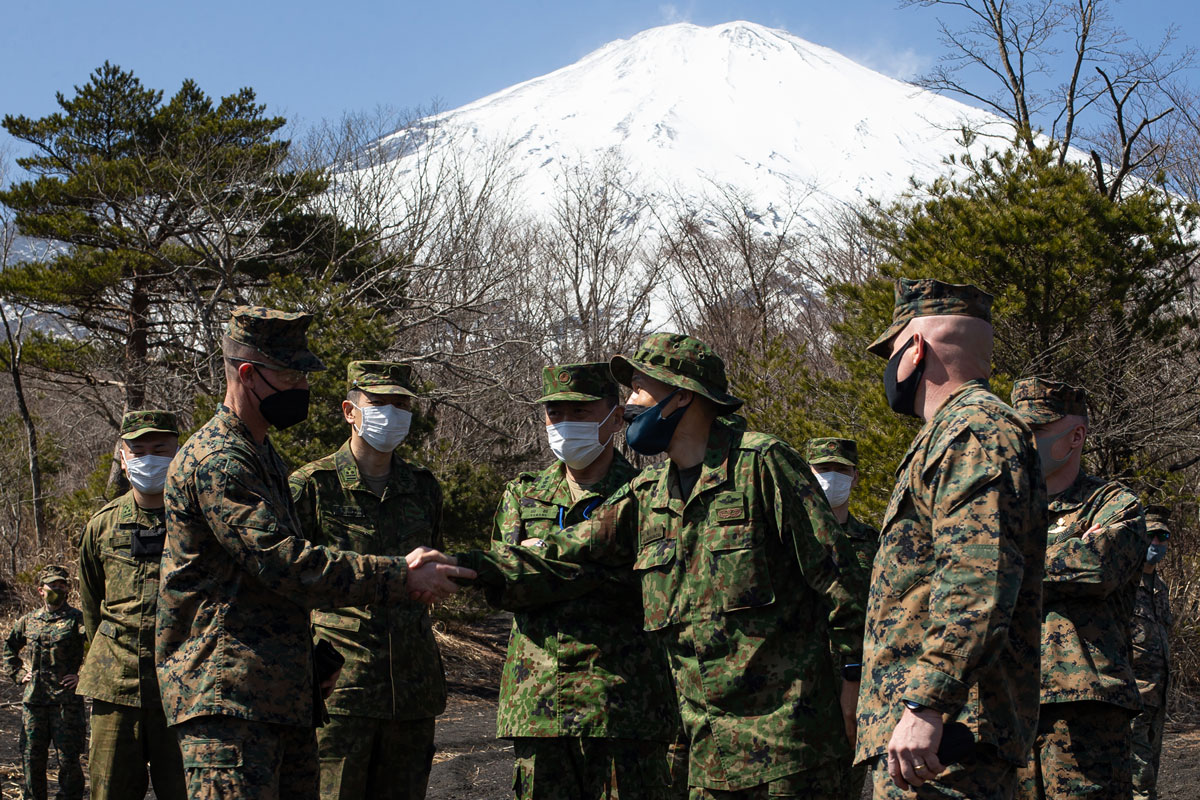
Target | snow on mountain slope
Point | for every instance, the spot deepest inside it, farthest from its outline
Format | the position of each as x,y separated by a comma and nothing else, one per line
737,104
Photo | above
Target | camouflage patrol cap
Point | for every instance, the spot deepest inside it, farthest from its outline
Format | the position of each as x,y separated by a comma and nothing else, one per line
577,382
278,335
931,298
1039,401
52,573
829,450
137,423
681,361
1158,522
380,377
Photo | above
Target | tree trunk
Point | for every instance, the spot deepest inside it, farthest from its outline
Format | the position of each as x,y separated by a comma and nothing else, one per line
31,438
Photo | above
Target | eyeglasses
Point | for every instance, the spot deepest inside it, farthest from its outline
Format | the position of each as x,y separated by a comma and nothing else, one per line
286,374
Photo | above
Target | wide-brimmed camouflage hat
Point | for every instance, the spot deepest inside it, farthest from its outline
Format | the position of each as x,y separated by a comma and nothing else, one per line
1039,401
830,450
380,377
930,298
682,361
1158,522
138,423
577,383
51,573
281,336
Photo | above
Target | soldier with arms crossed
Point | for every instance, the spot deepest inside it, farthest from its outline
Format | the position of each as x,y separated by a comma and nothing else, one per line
234,656
118,584
954,618
745,575
1095,547
378,742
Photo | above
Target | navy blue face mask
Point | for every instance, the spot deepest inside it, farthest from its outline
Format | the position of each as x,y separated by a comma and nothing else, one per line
1156,553
650,433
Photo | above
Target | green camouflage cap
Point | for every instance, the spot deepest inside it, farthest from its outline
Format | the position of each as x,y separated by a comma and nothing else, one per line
52,573
577,382
829,450
1158,522
1039,401
137,423
930,298
380,377
682,361
278,335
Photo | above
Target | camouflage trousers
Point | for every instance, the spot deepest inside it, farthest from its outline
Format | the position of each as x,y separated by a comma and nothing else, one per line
819,783
380,759
854,777
225,758
1147,735
1082,750
66,726
124,740
567,768
982,775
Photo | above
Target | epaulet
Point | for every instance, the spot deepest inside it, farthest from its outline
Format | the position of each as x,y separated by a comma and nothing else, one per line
111,504
323,464
624,490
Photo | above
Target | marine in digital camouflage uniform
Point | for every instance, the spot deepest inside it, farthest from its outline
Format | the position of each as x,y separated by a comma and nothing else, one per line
378,742
119,557
585,694
1151,661
954,617
234,657
827,456
1095,547
745,576
52,638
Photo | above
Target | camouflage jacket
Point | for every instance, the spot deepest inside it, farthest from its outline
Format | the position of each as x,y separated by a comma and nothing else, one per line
749,581
55,642
238,580
1090,586
955,610
582,667
118,596
393,669
1151,648
865,541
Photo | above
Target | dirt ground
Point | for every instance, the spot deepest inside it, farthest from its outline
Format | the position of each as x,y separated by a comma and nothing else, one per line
471,764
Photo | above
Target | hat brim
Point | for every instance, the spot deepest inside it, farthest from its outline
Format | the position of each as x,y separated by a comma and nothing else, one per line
568,397
389,388
845,462
882,346
623,368
1034,416
143,431
305,361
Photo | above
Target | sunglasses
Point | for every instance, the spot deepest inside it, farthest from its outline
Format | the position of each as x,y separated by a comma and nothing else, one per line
286,374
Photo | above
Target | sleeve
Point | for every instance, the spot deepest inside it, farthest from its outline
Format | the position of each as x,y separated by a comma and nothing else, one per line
78,647
1103,557
826,557
304,498
437,498
507,527
262,541
978,568
13,645
91,579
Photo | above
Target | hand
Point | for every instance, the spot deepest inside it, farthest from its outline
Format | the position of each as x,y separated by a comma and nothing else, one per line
328,684
532,543
914,744
430,576
425,555
849,701
27,677
70,681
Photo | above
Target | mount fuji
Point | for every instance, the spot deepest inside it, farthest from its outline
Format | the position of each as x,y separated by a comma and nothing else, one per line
686,107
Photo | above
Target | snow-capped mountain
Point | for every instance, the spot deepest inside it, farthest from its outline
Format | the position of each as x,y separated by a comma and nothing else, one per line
736,104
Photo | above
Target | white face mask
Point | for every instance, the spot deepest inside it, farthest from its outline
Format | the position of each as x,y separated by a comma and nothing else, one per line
383,427
577,444
836,487
148,474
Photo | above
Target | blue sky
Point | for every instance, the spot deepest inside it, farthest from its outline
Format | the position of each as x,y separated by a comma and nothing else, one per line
311,60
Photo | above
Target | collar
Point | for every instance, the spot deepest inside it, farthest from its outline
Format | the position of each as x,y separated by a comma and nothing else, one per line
130,513
713,472
551,485
400,479
1075,495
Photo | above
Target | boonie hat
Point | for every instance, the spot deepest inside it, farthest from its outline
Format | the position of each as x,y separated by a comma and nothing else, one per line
577,382
931,298
279,335
681,361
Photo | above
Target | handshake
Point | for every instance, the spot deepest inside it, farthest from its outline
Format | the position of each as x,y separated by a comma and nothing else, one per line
433,575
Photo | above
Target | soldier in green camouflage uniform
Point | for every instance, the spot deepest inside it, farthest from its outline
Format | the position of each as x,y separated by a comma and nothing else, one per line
585,693
954,615
378,742
119,557
1151,658
234,657
745,575
1095,546
50,709
834,462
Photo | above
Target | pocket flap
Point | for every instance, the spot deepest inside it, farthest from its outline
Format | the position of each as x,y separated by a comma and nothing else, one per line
210,753
107,628
718,538
656,554
539,512
330,619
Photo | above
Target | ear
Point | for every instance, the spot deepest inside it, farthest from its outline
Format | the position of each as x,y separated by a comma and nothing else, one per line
244,372
348,411
854,480
917,351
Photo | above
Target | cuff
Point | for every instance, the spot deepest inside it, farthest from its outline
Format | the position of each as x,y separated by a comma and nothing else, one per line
935,689
393,579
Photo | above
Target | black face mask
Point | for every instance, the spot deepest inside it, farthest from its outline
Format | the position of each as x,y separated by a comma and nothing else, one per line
284,408
902,395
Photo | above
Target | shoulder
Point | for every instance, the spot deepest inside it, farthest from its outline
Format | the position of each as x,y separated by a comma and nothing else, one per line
313,469
1108,493
759,442
106,515
420,473
981,418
